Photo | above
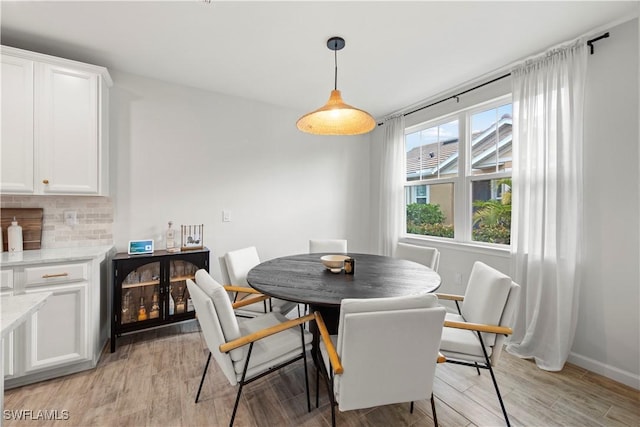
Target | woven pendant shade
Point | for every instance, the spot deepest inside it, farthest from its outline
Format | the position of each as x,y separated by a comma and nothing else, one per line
336,118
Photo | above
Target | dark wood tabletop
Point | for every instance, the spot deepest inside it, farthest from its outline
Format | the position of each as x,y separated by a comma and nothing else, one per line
304,279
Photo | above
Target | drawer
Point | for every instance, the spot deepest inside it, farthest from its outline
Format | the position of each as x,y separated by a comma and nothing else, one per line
55,273
6,280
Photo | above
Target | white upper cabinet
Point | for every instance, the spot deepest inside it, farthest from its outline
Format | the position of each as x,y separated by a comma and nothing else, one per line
54,125
17,125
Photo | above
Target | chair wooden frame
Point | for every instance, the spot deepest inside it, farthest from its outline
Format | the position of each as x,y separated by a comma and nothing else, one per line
478,328
250,339
239,290
336,368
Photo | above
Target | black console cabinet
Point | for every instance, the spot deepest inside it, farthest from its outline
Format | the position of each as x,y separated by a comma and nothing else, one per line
151,290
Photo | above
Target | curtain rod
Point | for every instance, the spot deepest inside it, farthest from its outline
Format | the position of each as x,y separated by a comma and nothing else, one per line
457,95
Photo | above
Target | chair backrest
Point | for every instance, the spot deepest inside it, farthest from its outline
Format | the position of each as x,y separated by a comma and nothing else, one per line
388,348
506,320
217,320
421,254
327,245
223,270
239,262
488,295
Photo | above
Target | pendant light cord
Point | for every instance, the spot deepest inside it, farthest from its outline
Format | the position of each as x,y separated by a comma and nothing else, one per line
335,61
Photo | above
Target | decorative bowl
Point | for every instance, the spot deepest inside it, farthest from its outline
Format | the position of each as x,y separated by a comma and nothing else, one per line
333,261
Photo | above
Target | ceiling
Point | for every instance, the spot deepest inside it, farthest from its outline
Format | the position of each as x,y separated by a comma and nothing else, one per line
396,54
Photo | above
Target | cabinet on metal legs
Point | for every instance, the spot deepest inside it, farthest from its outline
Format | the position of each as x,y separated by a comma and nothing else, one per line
151,290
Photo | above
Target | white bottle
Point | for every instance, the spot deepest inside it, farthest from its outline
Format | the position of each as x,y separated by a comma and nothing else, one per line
172,305
170,237
14,236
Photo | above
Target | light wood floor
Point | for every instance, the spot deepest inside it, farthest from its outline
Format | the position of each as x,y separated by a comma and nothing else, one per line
152,380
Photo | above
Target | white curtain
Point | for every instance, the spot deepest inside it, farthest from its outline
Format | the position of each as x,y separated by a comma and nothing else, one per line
547,221
391,197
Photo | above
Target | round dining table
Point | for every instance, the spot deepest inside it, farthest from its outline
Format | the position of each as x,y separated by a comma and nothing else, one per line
304,279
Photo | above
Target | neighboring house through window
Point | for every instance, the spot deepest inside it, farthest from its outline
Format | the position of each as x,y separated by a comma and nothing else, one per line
458,175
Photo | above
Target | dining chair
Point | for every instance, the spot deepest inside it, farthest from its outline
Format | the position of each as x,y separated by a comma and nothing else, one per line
238,263
385,352
421,254
238,293
475,336
249,349
327,245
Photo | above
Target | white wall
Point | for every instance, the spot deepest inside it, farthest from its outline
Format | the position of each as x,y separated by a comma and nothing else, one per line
607,339
182,154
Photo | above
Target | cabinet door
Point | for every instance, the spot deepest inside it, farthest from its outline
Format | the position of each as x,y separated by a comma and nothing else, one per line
67,129
17,126
57,333
6,289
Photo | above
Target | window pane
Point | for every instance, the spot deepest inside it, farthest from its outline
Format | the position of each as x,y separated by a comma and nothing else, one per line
433,152
430,209
491,132
492,211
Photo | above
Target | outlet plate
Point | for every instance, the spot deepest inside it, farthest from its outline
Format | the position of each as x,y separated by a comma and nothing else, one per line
70,217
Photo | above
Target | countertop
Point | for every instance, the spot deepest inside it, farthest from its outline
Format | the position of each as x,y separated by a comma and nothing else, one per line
55,255
16,309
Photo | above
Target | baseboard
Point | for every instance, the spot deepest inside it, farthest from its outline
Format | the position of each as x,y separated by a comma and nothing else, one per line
627,378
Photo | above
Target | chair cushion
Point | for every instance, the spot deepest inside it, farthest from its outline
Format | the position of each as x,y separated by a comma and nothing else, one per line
486,295
272,350
224,310
461,344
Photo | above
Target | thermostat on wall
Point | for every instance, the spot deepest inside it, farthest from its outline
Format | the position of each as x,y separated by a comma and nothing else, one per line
140,247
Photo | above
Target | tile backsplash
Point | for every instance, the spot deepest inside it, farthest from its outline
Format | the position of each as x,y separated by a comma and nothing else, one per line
94,219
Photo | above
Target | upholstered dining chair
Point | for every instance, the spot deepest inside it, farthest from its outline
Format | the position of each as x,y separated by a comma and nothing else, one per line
475,336
238,263
327,245
421,254
385,352
250,349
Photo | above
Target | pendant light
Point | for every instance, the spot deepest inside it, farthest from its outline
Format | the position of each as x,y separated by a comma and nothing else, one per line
336,117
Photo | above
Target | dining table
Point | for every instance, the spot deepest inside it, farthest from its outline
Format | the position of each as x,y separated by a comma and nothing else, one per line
304,279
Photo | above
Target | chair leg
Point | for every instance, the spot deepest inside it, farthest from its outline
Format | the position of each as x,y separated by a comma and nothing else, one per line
304,359
433,410
206,366
317,386
477,368
332,402
493,378
244,374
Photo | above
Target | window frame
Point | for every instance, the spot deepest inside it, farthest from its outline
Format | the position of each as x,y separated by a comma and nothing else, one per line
463,182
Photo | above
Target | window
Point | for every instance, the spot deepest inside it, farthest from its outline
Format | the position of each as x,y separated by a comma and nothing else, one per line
458,175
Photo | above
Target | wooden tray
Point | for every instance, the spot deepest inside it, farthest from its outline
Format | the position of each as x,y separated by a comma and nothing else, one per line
30,219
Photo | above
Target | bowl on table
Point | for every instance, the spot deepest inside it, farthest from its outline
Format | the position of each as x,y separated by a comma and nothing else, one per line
334,262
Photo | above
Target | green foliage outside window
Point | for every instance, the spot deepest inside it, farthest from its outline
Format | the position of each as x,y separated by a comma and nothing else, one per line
427,219
492,218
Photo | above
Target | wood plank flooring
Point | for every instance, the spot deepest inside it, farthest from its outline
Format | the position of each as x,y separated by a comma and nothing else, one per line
152,379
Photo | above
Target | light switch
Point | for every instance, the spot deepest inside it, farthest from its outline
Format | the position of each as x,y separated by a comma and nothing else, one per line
226,216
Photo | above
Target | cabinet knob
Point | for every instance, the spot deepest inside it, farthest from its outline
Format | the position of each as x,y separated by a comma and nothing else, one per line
45,181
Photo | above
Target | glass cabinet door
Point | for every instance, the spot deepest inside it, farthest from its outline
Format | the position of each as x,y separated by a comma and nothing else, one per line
141,294
179,299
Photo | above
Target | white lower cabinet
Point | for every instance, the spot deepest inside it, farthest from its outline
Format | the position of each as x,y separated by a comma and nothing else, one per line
67,334
57,333
6,288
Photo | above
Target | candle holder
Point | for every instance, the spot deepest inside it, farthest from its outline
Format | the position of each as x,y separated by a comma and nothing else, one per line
192,237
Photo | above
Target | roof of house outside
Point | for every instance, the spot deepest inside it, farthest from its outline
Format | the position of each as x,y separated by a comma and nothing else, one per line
427,160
